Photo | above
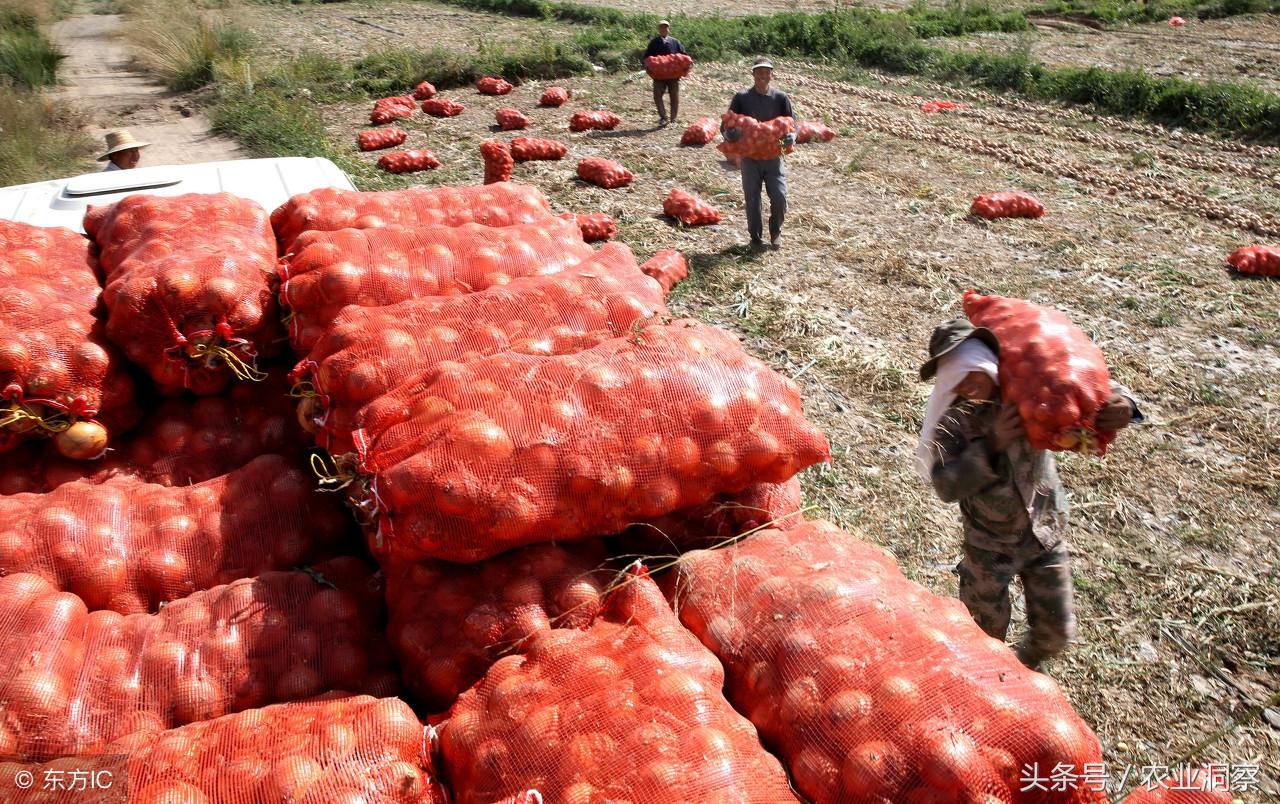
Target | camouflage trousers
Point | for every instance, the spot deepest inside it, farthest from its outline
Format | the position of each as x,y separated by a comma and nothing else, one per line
1046,580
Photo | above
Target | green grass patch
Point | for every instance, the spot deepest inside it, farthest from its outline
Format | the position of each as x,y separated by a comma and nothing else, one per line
41,138
28,59
1122,11
395,70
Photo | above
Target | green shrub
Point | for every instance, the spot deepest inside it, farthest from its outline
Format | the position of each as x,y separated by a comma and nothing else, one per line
27,58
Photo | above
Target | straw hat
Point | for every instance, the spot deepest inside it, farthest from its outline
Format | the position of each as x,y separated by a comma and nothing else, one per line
120,140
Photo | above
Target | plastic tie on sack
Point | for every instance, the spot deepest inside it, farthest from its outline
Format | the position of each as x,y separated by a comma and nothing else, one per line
335,475
234,363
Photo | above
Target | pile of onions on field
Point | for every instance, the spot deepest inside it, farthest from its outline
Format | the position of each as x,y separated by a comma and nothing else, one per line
870,687
490,85
1006,205
554,96
473,459
343,750
510,119
1256,260
600,120
413,161
689,209
378,267
189,287
397,107
758,140
379,138
700,132
129,546
668,67
668,266
75,679
604,173
498,162
328,209
442,107
450,623
368,351
1050,369
595,226
529,149
628,709
59,376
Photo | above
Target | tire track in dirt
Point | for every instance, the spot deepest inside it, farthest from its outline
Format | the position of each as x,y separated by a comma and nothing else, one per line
1034,159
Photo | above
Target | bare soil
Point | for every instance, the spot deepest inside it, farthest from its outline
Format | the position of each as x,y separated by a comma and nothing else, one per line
98,81
1244,49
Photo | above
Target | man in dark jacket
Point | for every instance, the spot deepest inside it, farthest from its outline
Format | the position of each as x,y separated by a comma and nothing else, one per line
763,103
665,45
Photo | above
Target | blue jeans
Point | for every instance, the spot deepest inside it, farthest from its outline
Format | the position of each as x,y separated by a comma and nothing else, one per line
774,177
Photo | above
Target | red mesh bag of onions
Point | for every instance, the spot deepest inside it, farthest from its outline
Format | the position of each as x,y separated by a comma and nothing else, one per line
189,286
668,266
329,209
629,709
368,351
378,267
59,377
722,518
128,546
476,458
867,685
74,680
346,750
450,622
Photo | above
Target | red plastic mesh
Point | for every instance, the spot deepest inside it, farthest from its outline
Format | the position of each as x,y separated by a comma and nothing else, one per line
813,132
413,161
1050,369
935,106
128,546
515,449
189,285
604,173
424,91
380,138
369,351
629,709
871,688
394,108
700,132
595,226
450,623
759,140
666,68
587,120
668,266
490,85
1006,205
554,96
442,107
723,517
498,162
82,679
1259,260
345,751
510,119
378,267
1188,785
529,149
329,209
55,363
689,209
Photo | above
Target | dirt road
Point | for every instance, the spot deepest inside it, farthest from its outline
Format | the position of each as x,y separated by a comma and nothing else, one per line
98,80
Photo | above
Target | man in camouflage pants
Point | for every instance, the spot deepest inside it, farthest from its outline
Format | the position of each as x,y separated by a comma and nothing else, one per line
1012,503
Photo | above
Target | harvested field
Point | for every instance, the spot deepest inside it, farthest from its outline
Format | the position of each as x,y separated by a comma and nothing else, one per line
1244,49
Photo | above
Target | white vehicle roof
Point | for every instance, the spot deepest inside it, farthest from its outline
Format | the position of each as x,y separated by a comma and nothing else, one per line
270,182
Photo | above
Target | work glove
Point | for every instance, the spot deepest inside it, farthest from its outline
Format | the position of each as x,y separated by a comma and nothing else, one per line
789,140
732,135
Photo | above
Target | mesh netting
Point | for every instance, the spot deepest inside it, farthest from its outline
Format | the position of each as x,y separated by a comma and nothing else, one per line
450,623
408,161
629,709
510,119
723,517
128,546
424,90
183,441
595,226
1050,369
668,266
554,96
700,132
368,351
188,286
515,449
380,138
394,108
529,149
871,688
1006,205
442,107
1256,260
758,139
668,67
604,173
379,267
345,751
689,209
813,132
80,679
329,209
56,367
489,85
498,162
599,119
